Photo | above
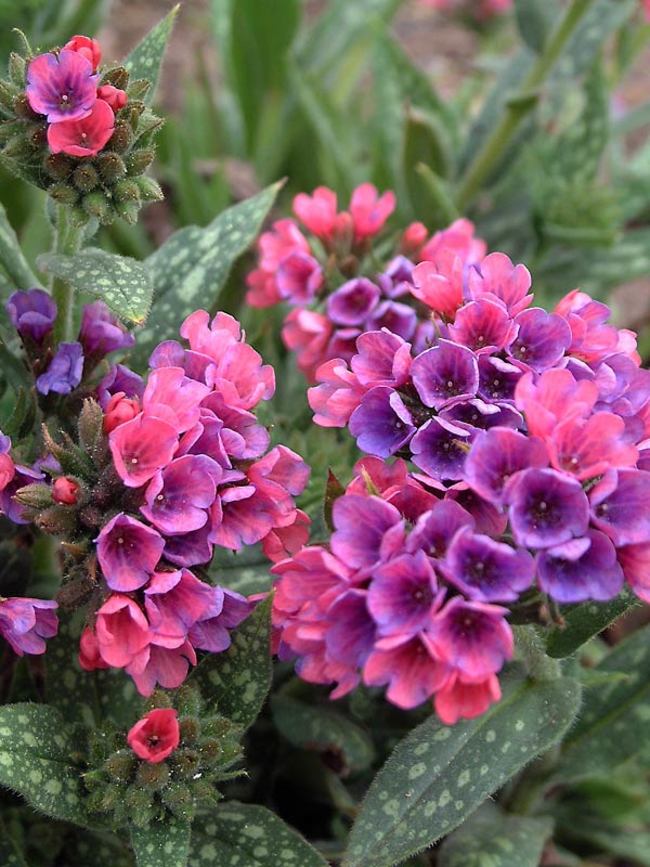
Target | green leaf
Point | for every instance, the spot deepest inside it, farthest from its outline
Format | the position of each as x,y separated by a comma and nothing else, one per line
438,775
535,19
11,257
496,838
161,843
238,680
582,622
124,284
313,727
90,849
191,268
245,835
245,571
35,748
146,58
613,724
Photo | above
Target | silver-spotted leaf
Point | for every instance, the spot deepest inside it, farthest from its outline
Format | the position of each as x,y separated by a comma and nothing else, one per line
582,622
146,58
245,835
35,750
438,774
238,680
191,268
496,838
123,283
12,261
613,724
166,842
313,727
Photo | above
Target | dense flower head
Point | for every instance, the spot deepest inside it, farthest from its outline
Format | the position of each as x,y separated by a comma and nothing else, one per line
196,472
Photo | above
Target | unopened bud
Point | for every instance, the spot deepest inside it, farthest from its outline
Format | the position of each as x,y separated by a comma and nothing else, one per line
115,97
58,166
120,766
64,194
23,109
66,491
111,167
121,138
119,410
118,77
85,178
152,776
95,205
149,189
415,235
17,67
139,160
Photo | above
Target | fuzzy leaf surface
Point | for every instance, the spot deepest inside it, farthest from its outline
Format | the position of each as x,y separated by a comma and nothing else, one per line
145,61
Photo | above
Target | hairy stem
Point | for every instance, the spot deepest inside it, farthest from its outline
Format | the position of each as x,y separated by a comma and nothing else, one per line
67,240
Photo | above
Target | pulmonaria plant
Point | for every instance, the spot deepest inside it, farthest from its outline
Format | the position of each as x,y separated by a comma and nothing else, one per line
165,470
79,131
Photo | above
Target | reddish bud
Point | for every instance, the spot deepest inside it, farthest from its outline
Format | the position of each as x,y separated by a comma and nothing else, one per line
342,233
415,235
65,491
115,97
87,47
119,410
89,658
7,470
155,736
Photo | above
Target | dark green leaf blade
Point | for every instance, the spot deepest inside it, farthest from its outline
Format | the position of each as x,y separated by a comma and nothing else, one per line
584,621
11,258
161,843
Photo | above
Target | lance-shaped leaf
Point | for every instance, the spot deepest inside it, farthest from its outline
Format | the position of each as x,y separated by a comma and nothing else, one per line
496,838
535,19
35,749
313,727
12,260
438,775
146,58
123,283
245,835
161,843
191,268
582,622
613,723
238,680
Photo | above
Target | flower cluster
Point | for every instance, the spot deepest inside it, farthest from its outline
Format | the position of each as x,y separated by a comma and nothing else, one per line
404,595
480,10
80,132
330,277
165,470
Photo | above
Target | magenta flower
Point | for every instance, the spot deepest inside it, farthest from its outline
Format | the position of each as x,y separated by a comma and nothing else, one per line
542,338
619,504
174,601
172,396
317,212
497,378
496,278
635,562
478,414
440,448
436,528
62,87
338,395
483,326
588,447
413,675
553,397
547,508
64,372
32,313
498,454
445,373
119,379
381,424
165,666
128,552
211,631
178,496
487,570
353,302
461,699
439,284
122,631
26,623
382,358
364,527
190,549
581,569
85,137
299,277
403,595
141,447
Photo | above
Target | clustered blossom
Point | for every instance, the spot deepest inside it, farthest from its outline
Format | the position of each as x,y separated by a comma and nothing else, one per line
65,87
196,472
330,279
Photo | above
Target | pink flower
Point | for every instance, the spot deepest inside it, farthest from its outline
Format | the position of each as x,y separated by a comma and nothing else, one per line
172,396
262,289
62,87
85,137
7,470
282,542
26,623
307,333
411,672
128,552
413,239
89,656
298,278
122,631
439,284
496,278
338,395
317,212
120,409
86,47
174,602
370,211
458,239
460,699
65,491
553,397
141,447
161,665
115,97
155,736
635,562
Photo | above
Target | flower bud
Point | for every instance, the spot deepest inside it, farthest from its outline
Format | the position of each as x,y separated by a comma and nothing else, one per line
128,211
127,191
139,88
17,68
121,138
111,167
66,491
119,410
7,95
58,166
87,47
23,109
115,97
36,496
415,235
149,189
118,77
85,178
95,205
64,194
178,798
120,766
139,160
153,777
56,521
190,730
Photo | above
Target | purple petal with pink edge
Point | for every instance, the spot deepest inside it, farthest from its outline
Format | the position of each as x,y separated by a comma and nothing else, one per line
471,637
496,278
488,518
190,549
582,569
169,353
447,372
360,524
483,326
350,637
402,593
547,508
487,570
353,302
382,358
299,277
479,414
174,604
542,340
398,318
141,447
440,448
411,672
242,435
436,528
381,424
497,378
62,87
25,623
619,506
211,631
205,439
119,378
128,552
178,497
498,454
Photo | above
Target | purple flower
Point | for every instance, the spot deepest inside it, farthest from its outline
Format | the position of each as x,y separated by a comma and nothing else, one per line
227,611
32,313
61,86
483,326
409,669
440,448
619,504
487,570
399,272
174,601
351,636
547,508
497,379
101,332
436,528
581,569
542,340
128,552
402,594
361,524
398,318
353,302
497,455
299,277
445,373
179,495
476,413
119,379
381,423
65,370
190,549
26,623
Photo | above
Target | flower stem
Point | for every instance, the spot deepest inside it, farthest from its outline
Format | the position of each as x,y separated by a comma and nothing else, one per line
67,240
519,105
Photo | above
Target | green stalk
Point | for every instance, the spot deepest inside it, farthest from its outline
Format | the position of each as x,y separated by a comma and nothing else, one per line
520,105
67,240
